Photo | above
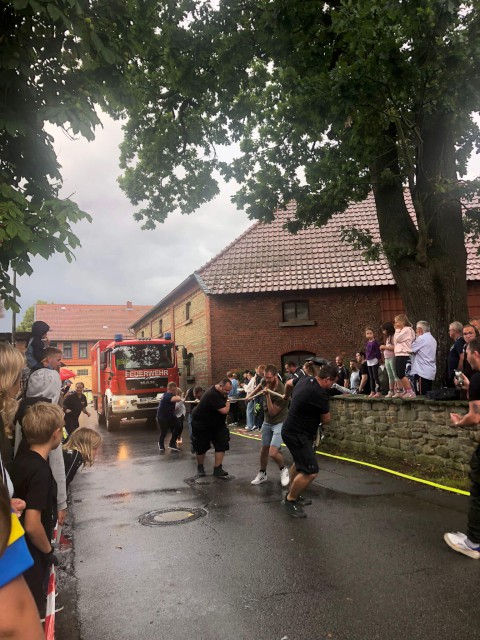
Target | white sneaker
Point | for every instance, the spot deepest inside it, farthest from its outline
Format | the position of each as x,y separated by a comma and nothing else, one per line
284,477
259,478
458,542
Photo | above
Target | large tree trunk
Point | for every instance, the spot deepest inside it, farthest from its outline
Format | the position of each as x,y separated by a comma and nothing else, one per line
428,258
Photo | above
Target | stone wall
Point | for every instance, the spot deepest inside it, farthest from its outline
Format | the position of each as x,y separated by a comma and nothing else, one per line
417,430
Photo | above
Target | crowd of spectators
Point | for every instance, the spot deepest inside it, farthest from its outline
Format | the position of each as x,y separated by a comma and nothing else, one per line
403,363
39,458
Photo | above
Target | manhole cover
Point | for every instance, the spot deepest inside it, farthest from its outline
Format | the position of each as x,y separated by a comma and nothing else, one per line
163,517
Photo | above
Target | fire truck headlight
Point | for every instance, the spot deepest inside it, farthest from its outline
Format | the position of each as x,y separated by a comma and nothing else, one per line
119,403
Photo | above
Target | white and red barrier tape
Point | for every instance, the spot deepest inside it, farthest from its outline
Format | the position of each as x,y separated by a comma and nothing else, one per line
50,612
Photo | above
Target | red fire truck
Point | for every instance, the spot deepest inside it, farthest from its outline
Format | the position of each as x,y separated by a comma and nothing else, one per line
130,376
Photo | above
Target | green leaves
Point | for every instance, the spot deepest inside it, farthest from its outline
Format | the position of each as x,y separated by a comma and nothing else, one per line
59,62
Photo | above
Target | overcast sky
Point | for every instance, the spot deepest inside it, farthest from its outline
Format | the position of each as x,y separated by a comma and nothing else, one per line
118,261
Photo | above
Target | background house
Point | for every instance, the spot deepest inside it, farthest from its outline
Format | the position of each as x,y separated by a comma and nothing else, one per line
75,328
271,296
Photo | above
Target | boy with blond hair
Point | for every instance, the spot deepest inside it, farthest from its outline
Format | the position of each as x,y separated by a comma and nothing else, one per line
34,483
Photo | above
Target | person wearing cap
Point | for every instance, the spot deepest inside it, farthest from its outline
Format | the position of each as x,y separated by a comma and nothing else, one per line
301,372
309,407
45,385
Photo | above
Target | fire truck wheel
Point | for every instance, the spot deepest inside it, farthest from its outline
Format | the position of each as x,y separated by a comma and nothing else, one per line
112,423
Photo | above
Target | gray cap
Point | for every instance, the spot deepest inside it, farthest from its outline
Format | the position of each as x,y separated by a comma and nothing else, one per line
318,361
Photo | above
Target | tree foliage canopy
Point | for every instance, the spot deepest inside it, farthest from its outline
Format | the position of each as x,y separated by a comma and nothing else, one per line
312,92
59,62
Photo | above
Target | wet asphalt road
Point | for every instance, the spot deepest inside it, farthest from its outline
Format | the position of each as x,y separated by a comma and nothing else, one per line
369,561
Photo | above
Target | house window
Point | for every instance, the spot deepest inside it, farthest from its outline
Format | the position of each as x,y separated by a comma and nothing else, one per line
187,310
190,364
295,311
67,350
83,349
142,334
82,372
52,344
160,327
298,357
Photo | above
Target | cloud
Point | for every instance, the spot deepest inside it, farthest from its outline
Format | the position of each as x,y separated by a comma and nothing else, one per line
118,261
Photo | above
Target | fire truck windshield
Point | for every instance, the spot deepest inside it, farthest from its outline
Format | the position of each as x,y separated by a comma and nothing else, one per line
143,356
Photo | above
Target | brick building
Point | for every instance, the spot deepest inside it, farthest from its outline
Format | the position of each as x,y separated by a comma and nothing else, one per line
75,328
271,296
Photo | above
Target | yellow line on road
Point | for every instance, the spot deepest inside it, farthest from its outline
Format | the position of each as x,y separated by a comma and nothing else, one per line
374,466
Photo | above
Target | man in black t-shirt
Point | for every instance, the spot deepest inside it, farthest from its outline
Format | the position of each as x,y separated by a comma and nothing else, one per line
309,408
343,373
73,405
208,426
469,544
455,355
364,386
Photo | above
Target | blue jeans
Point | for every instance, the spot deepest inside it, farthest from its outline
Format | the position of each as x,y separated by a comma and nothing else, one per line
249,416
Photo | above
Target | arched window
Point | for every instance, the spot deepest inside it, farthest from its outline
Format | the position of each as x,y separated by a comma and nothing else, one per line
299,357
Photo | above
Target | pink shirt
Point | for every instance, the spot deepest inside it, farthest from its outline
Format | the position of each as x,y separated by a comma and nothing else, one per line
403,341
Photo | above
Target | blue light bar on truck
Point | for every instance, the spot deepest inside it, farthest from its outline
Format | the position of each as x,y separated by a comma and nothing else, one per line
168,335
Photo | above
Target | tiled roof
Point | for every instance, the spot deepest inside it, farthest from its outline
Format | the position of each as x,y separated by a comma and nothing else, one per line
268,258
88,321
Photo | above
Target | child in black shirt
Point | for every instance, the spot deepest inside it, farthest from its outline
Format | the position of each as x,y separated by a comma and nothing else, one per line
33,482
80,449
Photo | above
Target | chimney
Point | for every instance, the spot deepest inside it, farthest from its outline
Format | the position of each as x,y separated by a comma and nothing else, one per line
129,306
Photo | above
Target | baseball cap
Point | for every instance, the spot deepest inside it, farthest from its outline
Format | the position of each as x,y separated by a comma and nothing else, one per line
318,361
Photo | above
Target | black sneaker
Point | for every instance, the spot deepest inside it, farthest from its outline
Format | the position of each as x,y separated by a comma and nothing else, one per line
294,509
161,447
305,502
173,447
219,472
201,471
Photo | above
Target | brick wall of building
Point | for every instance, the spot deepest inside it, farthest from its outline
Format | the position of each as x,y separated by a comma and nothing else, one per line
189,332
245,328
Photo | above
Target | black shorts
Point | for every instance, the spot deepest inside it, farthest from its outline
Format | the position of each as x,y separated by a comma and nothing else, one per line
202,438
300,446
401,365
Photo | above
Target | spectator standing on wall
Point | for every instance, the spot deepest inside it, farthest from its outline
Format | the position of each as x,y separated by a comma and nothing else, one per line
404,336
470,332
343,373
455,355
424,359
388,351
354,375
373,355
364,386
